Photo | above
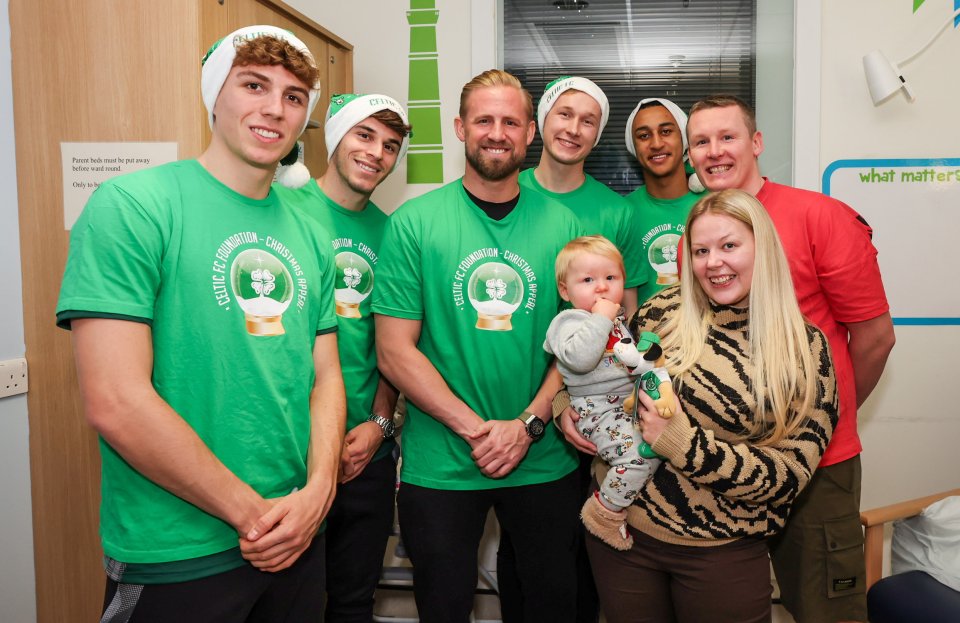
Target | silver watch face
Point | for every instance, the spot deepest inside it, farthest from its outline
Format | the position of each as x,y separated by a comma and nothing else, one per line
385,425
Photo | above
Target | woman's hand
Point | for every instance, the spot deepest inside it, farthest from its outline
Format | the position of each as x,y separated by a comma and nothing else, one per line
651,424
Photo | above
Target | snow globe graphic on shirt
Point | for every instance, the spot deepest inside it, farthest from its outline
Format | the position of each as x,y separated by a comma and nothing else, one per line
263,287
354,283
495,290
662,255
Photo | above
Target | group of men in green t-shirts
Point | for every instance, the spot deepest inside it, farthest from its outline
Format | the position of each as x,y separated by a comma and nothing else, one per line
217,319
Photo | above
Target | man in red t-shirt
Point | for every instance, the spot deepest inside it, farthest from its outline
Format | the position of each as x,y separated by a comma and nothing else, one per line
818,558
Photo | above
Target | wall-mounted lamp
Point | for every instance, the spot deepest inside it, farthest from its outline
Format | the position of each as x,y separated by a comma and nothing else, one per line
884,78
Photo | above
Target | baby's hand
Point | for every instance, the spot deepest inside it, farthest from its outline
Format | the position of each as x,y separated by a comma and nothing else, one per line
606,307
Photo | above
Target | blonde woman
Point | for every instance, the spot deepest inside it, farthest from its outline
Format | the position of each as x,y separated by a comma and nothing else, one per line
757,406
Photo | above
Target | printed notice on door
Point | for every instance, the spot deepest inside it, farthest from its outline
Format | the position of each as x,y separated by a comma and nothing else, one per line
87,165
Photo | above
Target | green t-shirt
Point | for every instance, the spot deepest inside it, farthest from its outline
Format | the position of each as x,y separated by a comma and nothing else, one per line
235,291
601,211
355,240
658,225
485,292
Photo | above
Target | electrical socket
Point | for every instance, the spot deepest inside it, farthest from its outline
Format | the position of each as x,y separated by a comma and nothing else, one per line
13,377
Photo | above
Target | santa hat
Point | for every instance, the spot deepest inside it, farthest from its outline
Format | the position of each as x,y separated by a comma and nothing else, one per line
693,182
217,63
348,109
564,83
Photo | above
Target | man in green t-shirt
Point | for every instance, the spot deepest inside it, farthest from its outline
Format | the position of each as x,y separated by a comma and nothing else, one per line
571,115
466,292
656,136
366,137
203,324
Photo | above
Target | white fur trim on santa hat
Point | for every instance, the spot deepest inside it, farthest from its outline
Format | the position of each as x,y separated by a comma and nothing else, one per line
219,60
294,176
560,85
693,182
678,115
292,173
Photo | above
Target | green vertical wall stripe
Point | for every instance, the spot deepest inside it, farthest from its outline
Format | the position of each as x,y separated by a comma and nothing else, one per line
423,40
422,18
424,80
425,158
427,123
424,168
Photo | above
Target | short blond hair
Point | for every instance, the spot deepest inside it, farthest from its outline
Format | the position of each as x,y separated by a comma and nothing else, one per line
596,245
494,78
725,100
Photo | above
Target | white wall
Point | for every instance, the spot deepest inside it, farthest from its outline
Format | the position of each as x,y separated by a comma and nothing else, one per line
806,95
17,600
910,425
775,71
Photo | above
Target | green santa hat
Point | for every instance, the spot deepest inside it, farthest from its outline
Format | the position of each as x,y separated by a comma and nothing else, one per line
348,109
564,83
216,66
218,61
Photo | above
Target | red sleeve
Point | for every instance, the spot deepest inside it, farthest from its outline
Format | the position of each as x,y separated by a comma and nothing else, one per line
846,261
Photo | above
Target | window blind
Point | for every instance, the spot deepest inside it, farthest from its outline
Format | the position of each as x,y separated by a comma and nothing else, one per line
633,49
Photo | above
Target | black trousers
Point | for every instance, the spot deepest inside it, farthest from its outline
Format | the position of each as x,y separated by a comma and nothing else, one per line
588,602
244,594
442,529
358,527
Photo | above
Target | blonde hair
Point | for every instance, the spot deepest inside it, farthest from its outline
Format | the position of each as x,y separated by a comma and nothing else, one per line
782,371
494,78
597,245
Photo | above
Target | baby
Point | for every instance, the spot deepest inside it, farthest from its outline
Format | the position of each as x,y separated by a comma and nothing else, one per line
599,362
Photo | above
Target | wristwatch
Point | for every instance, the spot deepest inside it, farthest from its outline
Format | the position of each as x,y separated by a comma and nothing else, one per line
383,423
533,424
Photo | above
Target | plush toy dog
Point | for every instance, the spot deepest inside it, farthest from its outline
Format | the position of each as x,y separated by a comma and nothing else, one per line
646,359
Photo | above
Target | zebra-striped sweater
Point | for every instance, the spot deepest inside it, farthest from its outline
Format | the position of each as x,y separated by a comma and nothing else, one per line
715,487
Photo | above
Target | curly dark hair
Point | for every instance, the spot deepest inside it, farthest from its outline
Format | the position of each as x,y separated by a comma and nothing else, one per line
267,50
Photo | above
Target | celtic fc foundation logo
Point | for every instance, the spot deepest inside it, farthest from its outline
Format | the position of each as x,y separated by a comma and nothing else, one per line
495,290
353,285
263,288
662,255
